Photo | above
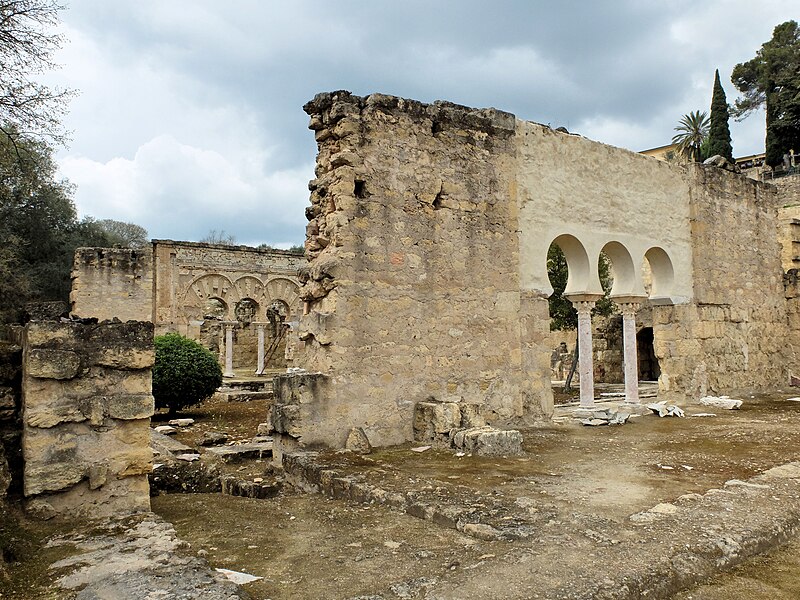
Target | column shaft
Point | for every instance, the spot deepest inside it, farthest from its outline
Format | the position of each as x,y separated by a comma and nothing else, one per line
260,368
631,355
585,358
228,350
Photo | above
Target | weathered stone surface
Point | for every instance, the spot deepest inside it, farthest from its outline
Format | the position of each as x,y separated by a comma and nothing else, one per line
86,441
723,402
488,441
435,418
213,438
242,451
357,441
52,364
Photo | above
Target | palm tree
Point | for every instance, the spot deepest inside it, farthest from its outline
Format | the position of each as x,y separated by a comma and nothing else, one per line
693,130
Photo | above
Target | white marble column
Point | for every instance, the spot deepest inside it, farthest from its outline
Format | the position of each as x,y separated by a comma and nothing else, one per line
260,326
584,303
229,325
631,356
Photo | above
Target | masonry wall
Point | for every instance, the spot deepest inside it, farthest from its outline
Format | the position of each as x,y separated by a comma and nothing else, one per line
413,288
113,282
86,407
735,334
171,283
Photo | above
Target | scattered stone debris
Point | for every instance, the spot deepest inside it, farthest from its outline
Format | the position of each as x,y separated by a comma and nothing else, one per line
795,399
421,449
238,577
213,438
181,422
724,402
165,429
599,417
188,457
264,429
662,409
704,415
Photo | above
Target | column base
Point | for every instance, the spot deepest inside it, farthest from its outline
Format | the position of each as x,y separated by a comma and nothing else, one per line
229,374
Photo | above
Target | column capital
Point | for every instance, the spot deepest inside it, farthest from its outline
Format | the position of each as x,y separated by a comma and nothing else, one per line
583,297
230,324
260,323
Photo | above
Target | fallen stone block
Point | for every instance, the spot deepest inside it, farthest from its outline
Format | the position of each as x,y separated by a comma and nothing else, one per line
181,422
213,438
241,451
723,402
488,441
594,422
165,429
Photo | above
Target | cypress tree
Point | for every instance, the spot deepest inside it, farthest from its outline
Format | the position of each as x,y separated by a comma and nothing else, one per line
719,135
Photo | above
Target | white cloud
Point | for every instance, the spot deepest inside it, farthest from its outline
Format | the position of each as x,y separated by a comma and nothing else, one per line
175,190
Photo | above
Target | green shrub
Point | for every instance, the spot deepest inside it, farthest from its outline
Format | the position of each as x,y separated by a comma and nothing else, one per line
184,374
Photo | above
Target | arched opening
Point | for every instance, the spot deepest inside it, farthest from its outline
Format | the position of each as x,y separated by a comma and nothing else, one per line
659,271
215,308
245,311
616,268
277,315
568,272
649,369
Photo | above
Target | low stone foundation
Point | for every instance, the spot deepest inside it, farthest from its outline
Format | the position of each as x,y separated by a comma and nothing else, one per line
87,403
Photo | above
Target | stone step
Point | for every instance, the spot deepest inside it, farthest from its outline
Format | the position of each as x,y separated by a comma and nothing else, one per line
241,452
304,472
242,395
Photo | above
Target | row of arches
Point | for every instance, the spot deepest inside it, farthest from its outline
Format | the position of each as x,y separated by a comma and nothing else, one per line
628,280
246,299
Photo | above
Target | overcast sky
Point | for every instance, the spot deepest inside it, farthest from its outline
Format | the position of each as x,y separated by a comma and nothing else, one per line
190,111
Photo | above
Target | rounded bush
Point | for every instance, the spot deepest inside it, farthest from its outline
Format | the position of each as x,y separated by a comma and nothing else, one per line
184,374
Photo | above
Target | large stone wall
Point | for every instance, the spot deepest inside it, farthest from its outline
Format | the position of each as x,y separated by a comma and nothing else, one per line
428,232
413,291
86,407
734,335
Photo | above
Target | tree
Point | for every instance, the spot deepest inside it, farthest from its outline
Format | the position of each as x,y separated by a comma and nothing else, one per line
127,235
562,313
184,374
719,134
219,237
39,229
27,45
772,78
693,131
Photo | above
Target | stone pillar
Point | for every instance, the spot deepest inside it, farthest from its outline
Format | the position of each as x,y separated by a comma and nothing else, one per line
229,325
631,357
260,325
584,303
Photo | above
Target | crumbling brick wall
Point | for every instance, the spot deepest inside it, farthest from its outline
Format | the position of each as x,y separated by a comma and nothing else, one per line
413,290
734,335
86,407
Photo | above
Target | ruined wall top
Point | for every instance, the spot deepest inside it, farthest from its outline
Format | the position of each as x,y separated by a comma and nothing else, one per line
328,107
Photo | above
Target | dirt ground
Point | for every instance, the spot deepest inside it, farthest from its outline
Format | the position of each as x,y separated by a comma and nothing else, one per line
577,486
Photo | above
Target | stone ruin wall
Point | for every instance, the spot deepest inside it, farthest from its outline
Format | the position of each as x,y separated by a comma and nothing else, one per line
86,407
735,334
426,234
170,284
113,282
188,274
412,289
789,219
